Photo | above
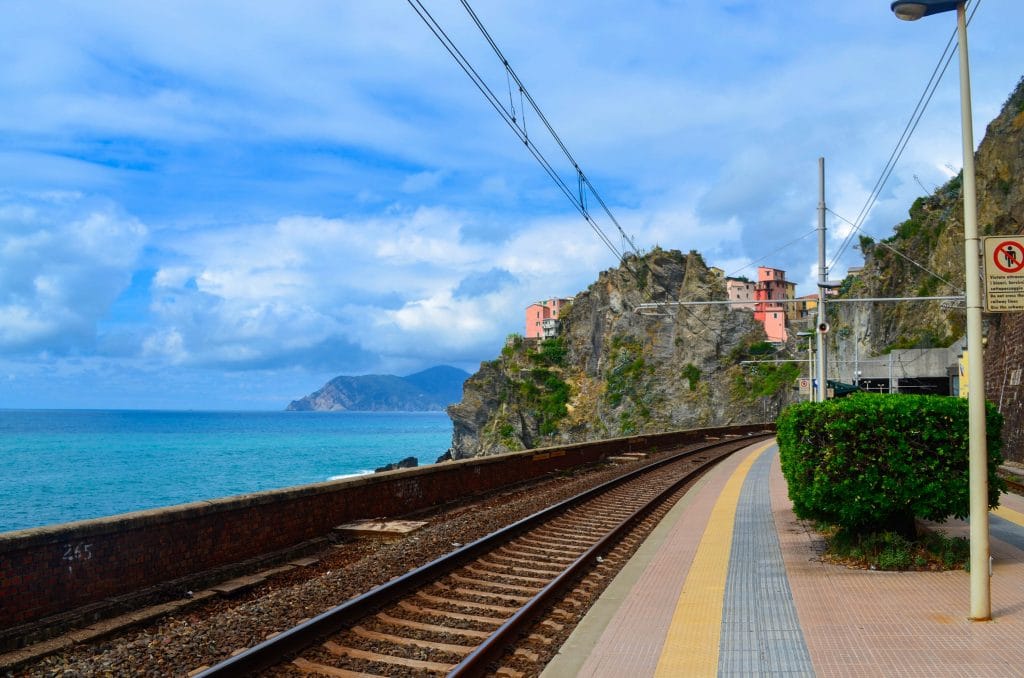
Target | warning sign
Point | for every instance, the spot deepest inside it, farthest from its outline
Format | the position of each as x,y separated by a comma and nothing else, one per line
1004,274
1008,257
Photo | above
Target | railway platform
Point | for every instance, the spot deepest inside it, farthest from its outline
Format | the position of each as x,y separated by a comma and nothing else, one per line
731,584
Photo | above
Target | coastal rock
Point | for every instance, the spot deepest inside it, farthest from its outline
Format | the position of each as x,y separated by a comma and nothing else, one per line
408,462
617,369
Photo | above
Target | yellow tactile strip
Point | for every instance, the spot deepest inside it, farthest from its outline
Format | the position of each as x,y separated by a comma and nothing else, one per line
692,644
1009,514
622,634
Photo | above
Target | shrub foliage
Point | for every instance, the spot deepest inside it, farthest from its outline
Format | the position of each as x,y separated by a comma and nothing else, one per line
871,461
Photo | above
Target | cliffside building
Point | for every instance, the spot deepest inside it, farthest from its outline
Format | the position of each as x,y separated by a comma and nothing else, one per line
806,308
542,318
772,287
740,290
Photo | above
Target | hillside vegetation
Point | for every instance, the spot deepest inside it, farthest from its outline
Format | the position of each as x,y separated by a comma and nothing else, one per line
932,238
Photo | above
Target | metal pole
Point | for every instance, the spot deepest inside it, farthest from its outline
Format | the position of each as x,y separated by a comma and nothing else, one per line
981,601
810,366
856,360
890,373
822,280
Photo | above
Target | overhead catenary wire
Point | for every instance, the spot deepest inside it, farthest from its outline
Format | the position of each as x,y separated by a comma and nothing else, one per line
518,126
892,249
584,181
516,120
933,81
915,118
772,253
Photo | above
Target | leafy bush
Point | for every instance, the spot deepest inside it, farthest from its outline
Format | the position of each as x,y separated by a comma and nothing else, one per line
874,461
547,395
891,551
627,370
762,380
691,373
551,352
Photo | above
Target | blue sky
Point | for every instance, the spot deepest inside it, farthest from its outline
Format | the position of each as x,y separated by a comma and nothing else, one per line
221,205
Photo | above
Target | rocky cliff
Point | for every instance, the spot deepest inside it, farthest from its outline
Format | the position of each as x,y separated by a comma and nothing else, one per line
619,369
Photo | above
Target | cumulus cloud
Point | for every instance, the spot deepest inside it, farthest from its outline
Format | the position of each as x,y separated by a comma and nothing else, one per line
324,190
381,289
64,259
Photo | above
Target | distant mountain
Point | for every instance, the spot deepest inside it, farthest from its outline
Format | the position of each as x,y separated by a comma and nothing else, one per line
432,389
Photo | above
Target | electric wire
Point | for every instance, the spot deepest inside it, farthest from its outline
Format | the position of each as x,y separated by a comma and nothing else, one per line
772,253
551,130
889,247
584,185
915,118
509,119
579,201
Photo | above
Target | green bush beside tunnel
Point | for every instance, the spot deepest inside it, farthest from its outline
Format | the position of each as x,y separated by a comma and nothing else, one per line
873,462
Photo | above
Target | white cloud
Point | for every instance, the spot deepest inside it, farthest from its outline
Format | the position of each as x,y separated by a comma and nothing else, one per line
64,259
261,292
324,189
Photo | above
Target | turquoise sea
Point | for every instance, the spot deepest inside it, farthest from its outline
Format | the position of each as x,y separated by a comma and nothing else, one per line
58,466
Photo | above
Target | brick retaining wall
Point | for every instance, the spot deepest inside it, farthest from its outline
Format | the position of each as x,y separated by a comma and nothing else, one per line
49,570
1004,382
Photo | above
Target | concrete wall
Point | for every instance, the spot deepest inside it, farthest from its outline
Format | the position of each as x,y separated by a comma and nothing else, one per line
908,363
49,570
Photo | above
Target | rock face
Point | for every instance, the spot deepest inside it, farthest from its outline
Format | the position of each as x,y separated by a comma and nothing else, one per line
430,390
933,237
408,462
618,369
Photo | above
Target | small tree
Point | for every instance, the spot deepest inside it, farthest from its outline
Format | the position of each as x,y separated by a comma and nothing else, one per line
876,462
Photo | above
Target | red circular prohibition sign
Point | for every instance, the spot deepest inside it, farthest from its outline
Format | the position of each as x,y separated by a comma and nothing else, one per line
1008,257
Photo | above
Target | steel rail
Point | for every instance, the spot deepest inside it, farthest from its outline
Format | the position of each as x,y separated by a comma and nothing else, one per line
491,649
292,641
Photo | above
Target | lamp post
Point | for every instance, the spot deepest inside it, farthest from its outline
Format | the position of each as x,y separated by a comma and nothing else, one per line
981,603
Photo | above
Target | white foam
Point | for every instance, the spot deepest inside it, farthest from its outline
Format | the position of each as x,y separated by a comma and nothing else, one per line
350,475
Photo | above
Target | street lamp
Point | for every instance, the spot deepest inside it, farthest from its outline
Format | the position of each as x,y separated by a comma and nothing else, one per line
981,602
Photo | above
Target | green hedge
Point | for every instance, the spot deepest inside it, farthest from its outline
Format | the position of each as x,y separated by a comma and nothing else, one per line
873,462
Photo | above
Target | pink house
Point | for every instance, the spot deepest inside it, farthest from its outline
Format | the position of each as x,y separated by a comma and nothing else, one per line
542,318
774,322
772,286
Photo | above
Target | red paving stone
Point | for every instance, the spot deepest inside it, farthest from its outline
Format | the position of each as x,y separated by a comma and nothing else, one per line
863,623
631,643
855,622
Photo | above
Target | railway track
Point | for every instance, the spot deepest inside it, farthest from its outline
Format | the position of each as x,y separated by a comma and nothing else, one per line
491,606
1014,485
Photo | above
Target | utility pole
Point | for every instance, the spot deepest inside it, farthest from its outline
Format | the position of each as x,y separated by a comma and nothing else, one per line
822,391
856,360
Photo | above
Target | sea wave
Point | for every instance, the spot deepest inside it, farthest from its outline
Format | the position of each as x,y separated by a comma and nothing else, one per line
350,475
